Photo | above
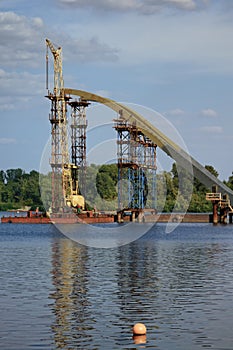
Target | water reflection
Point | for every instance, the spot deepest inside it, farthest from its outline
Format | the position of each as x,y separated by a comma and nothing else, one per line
138,282
180,289
70,290
139,339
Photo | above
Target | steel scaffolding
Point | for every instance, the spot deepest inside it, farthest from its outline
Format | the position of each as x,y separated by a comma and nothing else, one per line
65,187
136,155
59,151
78,144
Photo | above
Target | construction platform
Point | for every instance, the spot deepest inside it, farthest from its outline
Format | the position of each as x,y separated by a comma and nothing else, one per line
87,217
222,209
95,218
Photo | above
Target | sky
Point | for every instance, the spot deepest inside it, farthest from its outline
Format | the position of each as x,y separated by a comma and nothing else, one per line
171,56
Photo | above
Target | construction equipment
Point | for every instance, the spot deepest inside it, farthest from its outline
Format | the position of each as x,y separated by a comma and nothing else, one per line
183,159
65,191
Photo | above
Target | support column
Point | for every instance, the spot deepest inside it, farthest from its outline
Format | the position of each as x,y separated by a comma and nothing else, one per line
223,216
230,218
215,213
119,217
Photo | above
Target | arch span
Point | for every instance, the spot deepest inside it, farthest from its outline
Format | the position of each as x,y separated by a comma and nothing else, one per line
166,144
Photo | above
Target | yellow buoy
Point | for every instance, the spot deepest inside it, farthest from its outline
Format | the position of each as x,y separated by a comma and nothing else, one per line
139,329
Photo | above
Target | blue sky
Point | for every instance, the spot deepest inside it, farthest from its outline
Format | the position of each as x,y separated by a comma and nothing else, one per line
173,56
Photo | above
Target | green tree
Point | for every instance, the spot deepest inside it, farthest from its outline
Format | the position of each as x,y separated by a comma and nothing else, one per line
171,191
91,190
106,181
14,174
229,182
30,190
45,181
182,191
18,189
2,176
2,186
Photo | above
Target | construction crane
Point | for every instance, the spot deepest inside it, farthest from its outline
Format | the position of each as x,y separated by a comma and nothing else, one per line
65,191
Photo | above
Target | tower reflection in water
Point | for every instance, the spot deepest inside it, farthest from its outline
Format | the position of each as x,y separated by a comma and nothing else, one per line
100,293
70,305
166,283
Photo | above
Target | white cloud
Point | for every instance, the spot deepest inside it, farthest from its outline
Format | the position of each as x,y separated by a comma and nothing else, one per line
209,112
175,112
18,89
197,41
6,141
147,7
38,22
20,84
7,106
20,39
88,50
212,129
22,43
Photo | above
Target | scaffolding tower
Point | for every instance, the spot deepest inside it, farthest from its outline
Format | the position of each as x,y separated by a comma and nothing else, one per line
136,155
65,190
78,144
61,179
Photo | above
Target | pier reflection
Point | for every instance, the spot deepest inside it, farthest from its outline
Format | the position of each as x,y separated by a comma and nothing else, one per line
137,268
70,305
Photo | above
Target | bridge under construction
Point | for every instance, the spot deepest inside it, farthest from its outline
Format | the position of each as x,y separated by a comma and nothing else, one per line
137,141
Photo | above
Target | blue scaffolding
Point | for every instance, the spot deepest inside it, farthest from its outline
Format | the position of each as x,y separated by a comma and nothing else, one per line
136,155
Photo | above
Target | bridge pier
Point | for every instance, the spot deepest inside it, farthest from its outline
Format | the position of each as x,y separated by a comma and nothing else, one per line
223,216
215,213
230,218
222,203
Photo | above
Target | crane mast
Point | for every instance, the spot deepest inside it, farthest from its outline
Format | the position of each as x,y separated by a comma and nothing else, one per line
63,193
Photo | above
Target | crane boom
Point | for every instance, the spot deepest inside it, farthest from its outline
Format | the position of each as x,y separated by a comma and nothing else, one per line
52,48
58,74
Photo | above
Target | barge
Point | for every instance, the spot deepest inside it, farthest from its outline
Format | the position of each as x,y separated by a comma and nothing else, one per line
87,217
90,217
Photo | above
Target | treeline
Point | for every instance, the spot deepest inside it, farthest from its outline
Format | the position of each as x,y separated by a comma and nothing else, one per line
173,189
182,191
19,189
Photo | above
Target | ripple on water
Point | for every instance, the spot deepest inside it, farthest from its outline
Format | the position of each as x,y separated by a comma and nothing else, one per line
56,294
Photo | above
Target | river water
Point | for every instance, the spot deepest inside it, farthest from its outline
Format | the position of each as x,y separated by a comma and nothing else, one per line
57,294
